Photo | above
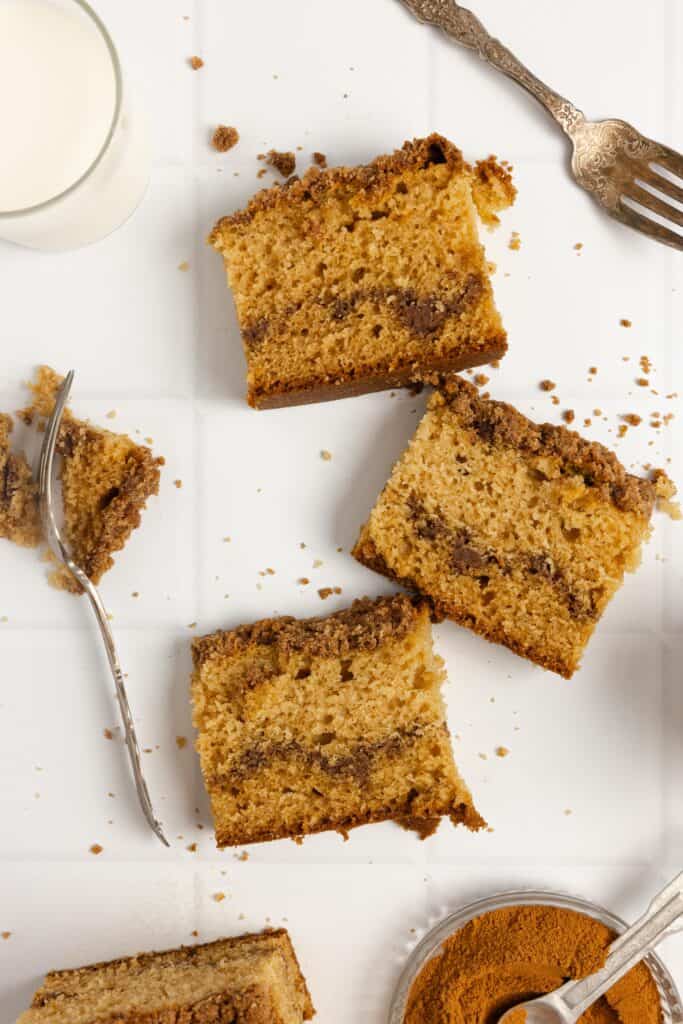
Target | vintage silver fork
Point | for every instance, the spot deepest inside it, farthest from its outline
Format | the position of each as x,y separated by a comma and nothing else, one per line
59,550
618,166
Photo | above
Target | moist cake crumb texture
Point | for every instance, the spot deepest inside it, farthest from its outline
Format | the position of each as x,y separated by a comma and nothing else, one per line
19,520
326,723
380,274
224,138
250,979
106,481
521,532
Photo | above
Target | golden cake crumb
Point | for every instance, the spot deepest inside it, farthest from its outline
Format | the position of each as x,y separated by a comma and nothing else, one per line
502,751
320,159
642,382
547,385
578,246
568,415
192,848
632,418
324,593
224,138
5,935
181,742
284,163
625,323
325,455
303,581
184,266
96,849
196,63
218,897
480,379
108,734
645,365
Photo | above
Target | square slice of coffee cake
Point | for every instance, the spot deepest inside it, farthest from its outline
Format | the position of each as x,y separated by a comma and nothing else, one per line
521,532
250,979
326,723
355,279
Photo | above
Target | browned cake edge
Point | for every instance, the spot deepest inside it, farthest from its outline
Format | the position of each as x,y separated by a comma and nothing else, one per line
364,625
500,424
352,387
317,184
366,553
462,814
18,493
184,954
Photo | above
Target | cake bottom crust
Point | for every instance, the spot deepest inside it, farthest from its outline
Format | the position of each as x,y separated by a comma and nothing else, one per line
366,553
364,385
462,814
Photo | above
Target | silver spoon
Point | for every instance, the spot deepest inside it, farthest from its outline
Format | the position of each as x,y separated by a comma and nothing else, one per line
631,176
566,1004
59,550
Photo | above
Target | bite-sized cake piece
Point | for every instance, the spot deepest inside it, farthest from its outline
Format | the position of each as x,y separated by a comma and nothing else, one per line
251,979
326,723
19,520
106,481
520,531
356,279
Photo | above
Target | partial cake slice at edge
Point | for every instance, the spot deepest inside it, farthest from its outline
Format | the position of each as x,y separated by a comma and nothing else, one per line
19,520
248,979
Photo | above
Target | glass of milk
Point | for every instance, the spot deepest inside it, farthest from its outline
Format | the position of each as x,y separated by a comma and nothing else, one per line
75,158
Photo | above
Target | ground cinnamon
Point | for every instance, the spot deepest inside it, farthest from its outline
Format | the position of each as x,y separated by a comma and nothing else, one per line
502,958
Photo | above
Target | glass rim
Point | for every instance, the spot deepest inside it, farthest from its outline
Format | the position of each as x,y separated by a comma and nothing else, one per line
118,102
428,946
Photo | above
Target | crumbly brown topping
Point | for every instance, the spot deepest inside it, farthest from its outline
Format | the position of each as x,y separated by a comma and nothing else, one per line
501,424
224,138
283,162
320,159
364,626
196,63
370,178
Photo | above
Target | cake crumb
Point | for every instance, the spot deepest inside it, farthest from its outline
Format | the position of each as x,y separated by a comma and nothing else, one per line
320,159
325,455
259,174
480,379
194,933
181,742
218,897
642,382
624,322
191,625
547,385
645,365
502,751
623,430
515,241
632,418
588,422
5,935
242,856
111,415
567,811
495,363
184,266
196,63
317,562
592,370
96,849
568,415
665,489
324,593
578,246
304,581
283,162
192,848
178,484
224,138
108,734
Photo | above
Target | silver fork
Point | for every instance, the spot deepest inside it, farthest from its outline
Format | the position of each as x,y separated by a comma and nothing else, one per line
619,167
59,550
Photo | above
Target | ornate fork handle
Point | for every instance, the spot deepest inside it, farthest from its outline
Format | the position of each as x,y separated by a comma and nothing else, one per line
464,27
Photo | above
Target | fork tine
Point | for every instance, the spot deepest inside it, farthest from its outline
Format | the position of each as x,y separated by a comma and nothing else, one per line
662,184
670,159
627,215
652,203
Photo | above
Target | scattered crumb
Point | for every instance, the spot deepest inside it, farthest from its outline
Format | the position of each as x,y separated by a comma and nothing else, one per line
136,593
284,163
484,757
194,933
578,246
304,581
317,563
632,418
502,751
324,593
178,484
645,364
489,828
665,490
624,322
325,455
181,742
184,266
554,399
226,540
196,63
108,734
623,429
495,363
96,849
242,856
547,385
515,241
568,415
588,422
592,370
567,811
259,174
597,412
218,897
480,379
224,138
191,625
5,935
111,415
642,382
192,848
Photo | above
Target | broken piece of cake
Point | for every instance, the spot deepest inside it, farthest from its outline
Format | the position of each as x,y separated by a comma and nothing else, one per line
356,279
19,521
521,532
326,723
250,979
106,480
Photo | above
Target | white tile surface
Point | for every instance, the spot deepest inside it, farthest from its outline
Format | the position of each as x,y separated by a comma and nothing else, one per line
161,347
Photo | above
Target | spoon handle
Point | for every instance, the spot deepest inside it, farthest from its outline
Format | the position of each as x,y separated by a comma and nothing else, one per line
664,911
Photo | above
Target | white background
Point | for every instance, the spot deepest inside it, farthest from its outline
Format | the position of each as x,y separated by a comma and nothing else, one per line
160,347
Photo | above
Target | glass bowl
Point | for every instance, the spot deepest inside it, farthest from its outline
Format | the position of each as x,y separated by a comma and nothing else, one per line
430,945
